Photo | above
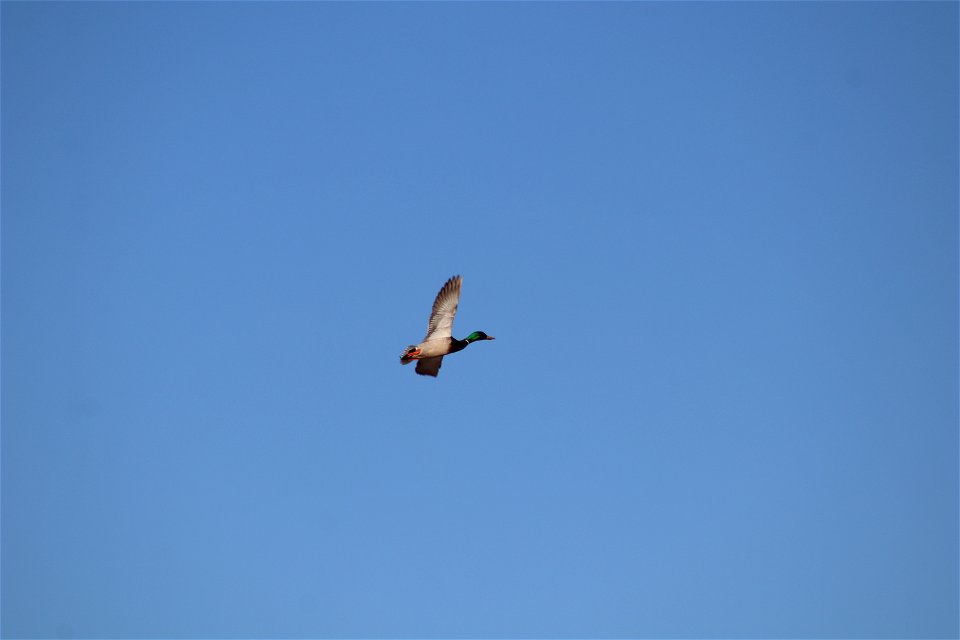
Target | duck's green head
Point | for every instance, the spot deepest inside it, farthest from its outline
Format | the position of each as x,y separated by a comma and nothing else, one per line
477,335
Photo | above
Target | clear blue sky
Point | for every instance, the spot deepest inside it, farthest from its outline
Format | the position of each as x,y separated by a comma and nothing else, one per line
717,245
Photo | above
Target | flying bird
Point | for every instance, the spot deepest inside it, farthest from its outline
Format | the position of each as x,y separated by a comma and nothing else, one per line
440,341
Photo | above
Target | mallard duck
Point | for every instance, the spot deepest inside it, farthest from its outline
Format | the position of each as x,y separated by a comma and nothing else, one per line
440,341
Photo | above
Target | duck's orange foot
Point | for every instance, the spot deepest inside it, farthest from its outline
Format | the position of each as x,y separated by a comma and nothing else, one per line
410,354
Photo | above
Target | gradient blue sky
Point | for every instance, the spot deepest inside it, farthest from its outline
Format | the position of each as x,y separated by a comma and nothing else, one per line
717,245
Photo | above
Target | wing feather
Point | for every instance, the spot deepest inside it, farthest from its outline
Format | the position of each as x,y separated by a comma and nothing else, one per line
444,309
429,366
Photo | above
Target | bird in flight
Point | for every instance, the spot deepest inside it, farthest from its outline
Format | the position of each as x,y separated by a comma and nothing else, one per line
440,341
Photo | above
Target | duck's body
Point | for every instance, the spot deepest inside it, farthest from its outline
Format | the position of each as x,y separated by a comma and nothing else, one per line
439,341
433,348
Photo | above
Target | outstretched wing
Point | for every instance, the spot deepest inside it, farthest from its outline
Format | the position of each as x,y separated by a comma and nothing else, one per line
429,366
444,308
